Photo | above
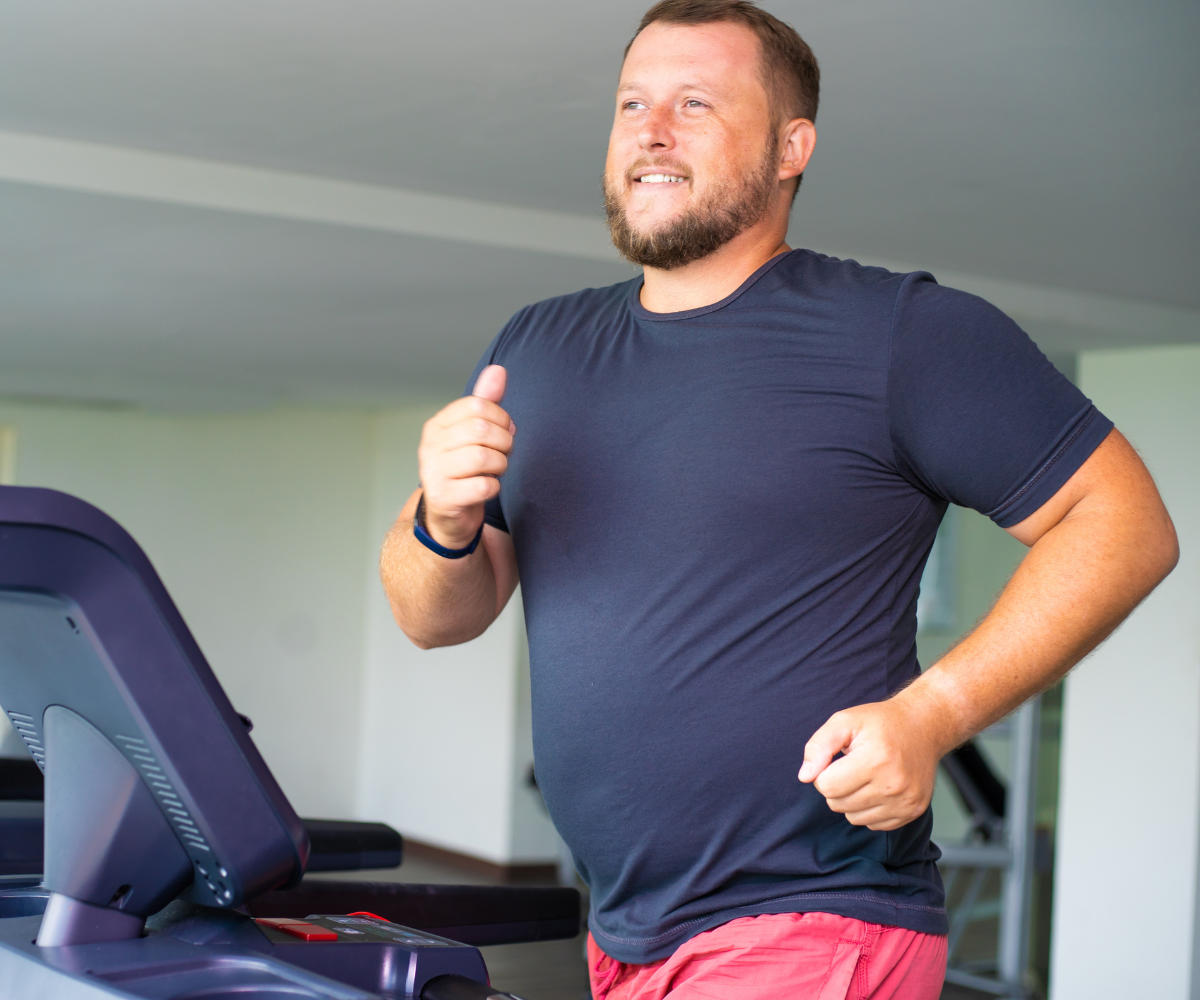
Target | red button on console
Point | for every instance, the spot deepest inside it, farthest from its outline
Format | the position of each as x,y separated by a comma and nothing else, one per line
298,928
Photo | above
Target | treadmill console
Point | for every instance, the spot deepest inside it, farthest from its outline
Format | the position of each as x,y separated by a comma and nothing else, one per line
173,860
153,785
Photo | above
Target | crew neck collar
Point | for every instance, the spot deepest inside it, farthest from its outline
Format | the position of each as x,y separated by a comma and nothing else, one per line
641,312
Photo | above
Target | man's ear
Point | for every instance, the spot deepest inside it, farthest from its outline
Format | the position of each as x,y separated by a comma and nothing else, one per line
798,138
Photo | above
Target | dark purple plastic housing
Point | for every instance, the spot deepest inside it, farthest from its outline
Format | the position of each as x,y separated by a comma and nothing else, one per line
87,628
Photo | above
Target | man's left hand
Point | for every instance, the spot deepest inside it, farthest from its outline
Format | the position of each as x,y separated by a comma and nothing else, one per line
885,778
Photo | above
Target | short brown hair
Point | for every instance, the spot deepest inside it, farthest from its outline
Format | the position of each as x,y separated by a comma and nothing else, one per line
789,68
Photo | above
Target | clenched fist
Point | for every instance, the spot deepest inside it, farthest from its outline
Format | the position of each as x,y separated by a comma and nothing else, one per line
891,751
464,448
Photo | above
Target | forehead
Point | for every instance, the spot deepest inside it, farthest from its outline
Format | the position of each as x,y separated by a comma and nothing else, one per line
724,55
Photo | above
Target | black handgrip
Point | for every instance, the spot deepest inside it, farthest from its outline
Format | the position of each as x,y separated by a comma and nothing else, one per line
461,988
339,845
20,779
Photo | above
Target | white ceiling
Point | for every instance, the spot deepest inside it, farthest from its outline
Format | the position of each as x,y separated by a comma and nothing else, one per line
1037,150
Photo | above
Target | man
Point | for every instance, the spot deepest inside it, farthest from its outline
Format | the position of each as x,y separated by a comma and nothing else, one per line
726,480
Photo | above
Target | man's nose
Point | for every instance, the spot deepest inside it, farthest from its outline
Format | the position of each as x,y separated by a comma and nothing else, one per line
655,135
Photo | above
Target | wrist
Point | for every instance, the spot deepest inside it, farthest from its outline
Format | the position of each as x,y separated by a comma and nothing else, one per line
934,704
442,543
449,532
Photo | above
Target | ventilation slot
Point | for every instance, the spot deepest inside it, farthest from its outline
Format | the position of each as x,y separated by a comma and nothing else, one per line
27,730
160,785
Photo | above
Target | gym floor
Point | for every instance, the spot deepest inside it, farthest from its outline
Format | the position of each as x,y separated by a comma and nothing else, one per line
545,970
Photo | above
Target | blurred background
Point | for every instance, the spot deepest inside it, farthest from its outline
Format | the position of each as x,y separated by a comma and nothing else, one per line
246,249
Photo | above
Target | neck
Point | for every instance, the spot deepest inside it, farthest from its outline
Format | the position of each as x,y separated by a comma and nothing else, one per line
711,278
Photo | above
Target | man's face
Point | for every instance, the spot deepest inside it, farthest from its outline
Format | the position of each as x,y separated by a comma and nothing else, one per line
692,159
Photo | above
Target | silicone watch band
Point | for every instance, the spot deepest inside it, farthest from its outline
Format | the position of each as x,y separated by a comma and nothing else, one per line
428,541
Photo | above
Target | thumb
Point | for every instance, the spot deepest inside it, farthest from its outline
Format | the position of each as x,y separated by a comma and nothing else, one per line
490,384
826,743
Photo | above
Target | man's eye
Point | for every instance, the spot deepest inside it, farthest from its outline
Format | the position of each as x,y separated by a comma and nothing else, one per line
693,103
633,106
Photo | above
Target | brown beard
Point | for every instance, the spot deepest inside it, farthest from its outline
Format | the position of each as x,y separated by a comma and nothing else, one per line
730,209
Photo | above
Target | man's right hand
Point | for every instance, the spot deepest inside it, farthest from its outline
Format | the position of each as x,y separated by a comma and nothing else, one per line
464,448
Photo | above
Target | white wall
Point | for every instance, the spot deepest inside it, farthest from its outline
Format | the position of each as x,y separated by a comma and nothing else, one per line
256,523
265,527
1126,876
445,733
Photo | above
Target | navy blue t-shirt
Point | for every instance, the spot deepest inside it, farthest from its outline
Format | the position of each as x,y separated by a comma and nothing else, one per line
720,519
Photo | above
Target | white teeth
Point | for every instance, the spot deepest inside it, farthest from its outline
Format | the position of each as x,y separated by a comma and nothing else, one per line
660,179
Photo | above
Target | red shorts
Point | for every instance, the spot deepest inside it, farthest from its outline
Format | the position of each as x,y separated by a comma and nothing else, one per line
801,956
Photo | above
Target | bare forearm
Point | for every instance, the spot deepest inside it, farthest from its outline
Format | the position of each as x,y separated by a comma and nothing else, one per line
436,601
441,601
1080,579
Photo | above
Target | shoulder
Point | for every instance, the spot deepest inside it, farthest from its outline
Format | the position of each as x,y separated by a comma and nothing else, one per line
835,275
588,302
858,292
552,325
913,295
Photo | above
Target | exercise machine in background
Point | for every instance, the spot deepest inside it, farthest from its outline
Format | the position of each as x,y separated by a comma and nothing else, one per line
173,863
1001,838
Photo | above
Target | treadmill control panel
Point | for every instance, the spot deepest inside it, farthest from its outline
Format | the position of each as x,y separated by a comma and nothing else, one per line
301,929
349,929
368,952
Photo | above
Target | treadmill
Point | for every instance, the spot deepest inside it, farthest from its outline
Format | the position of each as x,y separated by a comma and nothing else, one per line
173,862
335,845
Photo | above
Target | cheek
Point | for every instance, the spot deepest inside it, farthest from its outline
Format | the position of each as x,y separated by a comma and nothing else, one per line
713,152
622,150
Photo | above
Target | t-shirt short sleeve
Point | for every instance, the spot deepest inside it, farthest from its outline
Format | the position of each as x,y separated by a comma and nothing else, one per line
493,514
978,416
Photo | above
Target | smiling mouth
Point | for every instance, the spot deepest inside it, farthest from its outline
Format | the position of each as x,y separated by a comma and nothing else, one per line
660,179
